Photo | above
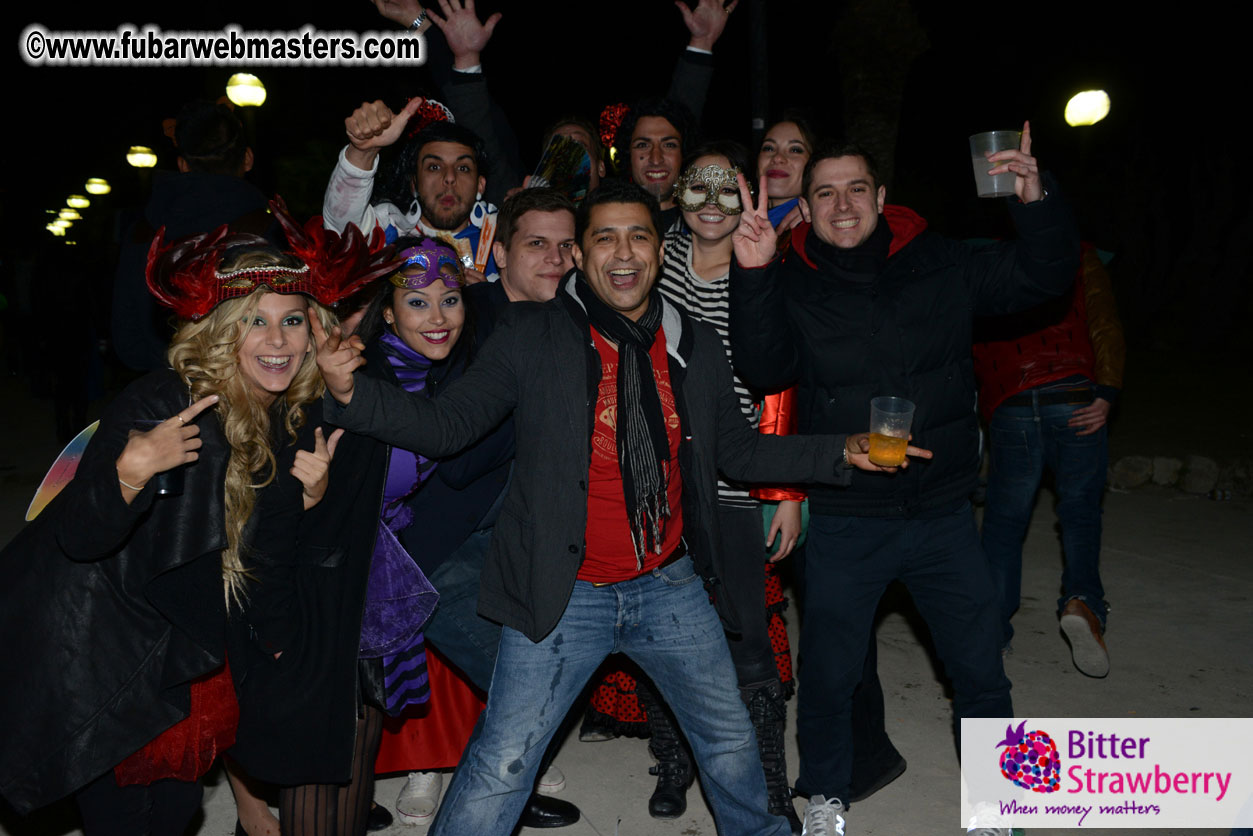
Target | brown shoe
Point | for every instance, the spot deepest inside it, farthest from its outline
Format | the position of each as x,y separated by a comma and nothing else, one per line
1083,630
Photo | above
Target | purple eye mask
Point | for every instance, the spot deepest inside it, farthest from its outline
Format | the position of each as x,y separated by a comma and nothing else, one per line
424,265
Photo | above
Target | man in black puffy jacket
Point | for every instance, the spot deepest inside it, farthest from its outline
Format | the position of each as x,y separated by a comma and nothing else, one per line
868,302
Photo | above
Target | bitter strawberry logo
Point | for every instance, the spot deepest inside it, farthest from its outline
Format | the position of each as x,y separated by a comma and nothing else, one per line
1030,759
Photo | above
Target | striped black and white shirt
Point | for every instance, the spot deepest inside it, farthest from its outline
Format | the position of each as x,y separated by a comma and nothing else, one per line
709,301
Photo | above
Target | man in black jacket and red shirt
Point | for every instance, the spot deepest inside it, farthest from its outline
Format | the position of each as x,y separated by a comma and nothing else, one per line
868,302
624,412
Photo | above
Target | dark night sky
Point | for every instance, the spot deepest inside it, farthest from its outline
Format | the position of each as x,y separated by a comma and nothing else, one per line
985,67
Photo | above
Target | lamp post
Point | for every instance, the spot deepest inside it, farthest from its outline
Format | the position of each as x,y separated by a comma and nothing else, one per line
97,186
1087,108
245,90
141,156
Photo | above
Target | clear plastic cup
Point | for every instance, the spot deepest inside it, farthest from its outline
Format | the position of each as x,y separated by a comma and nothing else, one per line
890,422
1002,185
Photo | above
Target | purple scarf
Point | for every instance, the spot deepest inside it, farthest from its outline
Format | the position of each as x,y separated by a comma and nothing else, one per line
399,598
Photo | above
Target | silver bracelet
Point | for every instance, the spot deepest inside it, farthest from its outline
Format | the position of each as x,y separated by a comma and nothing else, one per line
418,21
126,484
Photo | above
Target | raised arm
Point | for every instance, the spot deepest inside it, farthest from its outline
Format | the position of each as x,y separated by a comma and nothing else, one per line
693,73
761,336
370,128
467,96
469,409
1041,262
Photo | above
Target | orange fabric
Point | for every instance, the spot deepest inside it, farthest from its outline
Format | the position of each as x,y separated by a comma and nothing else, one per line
778,417
432,736
1109,348
187,749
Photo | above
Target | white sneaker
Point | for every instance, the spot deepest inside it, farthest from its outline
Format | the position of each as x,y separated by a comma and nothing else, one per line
419,799
987,821
551,782
822,817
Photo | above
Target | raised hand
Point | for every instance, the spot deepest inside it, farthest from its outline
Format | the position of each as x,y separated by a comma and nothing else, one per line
313,468
754,240
169,444
858,447
465,35
403,12
373,126
337,358
1027,184
706,21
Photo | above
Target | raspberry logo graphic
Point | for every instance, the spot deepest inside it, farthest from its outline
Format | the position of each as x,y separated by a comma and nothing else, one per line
1030,759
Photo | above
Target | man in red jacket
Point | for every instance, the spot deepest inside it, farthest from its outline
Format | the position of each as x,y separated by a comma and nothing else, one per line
1047,380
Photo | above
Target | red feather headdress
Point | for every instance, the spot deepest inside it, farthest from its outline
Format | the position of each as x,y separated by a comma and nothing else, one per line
184,274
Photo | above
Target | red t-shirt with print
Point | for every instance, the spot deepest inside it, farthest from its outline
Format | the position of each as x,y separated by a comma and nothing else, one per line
610,554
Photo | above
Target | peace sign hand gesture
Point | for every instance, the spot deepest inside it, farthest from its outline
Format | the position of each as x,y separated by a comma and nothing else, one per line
754,239
171,443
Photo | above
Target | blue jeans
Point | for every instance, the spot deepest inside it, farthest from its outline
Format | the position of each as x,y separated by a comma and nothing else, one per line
1023,441
849,562
456,629
664,622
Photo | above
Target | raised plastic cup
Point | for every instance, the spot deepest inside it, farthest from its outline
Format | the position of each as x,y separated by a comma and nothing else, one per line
890,421
1002,185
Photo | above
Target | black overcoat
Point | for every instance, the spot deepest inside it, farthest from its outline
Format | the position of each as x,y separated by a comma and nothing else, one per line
298,713
109,610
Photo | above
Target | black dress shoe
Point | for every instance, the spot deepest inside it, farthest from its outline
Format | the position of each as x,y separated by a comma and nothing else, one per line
546,811
380,818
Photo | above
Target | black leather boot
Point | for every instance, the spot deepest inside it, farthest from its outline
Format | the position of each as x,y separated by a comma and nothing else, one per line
768,712
674,765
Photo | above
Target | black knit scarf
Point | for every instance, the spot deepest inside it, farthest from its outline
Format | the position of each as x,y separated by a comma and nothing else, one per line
643,445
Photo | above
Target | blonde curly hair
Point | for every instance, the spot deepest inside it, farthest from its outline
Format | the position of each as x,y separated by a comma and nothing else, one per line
205,354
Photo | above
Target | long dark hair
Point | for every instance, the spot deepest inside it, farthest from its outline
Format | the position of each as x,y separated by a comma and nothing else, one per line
373,325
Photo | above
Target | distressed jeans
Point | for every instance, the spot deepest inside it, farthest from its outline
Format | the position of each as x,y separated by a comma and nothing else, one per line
664,622
1023,441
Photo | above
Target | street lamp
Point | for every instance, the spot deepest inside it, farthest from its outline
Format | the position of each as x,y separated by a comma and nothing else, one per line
69,215
97,186
55,230
245,90
61,223
141,156
77,201
1087,108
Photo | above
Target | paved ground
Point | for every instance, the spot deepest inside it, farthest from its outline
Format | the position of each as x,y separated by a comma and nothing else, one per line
1177,572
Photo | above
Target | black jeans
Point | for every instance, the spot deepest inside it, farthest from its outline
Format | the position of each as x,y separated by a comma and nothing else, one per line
849,562
744,581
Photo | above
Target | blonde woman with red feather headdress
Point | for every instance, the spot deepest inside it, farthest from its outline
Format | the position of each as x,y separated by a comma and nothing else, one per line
114,611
